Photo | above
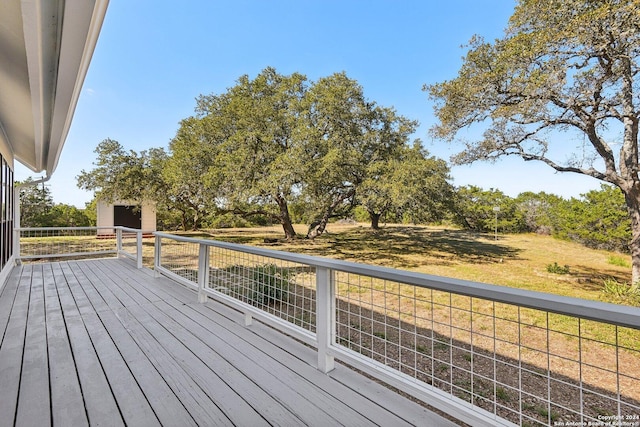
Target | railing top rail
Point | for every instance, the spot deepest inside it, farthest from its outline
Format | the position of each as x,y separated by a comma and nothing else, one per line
64,228
116,227
133,230
615,314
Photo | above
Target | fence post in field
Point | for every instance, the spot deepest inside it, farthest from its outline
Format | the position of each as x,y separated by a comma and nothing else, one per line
203,272
325,317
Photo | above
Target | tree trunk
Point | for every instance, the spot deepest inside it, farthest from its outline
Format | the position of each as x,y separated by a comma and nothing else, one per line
632,197
375,220
285,218
184,220
196,222
318,227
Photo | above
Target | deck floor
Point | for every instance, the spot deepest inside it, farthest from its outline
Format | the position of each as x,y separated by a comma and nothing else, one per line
98,342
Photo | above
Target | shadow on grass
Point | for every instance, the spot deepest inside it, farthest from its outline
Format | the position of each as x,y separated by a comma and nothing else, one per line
591,278
400,245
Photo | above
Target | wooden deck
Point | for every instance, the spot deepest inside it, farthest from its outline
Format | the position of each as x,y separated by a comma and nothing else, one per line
99,342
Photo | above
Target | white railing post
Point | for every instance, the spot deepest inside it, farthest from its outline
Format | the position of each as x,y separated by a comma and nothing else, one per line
16,224
325,317
157,257
203,272
118,241
16,244
139,249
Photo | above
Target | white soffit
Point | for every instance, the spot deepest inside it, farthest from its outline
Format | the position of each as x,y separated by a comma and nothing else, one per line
45,50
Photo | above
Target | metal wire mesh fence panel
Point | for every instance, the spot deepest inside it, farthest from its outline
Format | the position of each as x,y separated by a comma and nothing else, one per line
284,289
48,243
130,243
474,348
181,258
528,366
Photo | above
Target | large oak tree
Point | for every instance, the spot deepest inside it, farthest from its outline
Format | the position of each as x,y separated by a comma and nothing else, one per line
250,128
563,67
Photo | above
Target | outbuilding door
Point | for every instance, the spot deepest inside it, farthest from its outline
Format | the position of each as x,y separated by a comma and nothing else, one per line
127,216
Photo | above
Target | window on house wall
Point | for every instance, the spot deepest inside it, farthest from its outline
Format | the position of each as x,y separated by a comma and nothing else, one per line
6,212
3,208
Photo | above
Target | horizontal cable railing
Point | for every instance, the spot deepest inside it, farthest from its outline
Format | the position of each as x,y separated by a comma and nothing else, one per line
47,243
485,354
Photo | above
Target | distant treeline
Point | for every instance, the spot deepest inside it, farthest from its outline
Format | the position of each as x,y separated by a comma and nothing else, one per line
598,219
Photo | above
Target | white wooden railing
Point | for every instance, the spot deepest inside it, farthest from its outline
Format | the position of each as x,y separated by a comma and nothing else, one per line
487,355
63,242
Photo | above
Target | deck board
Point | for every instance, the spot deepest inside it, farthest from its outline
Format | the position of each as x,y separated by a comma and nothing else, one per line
12,346
99,342
99,398
66,395
34,405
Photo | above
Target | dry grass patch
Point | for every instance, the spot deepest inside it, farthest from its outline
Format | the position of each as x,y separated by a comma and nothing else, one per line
518,260
546,344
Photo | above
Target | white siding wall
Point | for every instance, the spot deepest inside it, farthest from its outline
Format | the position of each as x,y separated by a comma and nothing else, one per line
148,216
105,215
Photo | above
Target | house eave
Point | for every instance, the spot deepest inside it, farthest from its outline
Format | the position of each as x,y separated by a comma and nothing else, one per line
45,51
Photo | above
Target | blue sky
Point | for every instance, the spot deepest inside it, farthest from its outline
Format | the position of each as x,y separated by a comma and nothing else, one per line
154,58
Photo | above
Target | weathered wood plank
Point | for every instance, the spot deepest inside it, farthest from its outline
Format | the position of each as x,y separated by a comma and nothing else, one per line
161,287
144,352
369,390
199,405
7,297
283,349
237,396
34,400
166,405
94,301
120,285
128,279
67,405
134,405
294,390
359,402
96,286
12,346
310,413
100,404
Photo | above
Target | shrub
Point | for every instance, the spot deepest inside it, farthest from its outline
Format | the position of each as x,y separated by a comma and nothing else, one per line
620,292
228,220
270,284
619,261
557,269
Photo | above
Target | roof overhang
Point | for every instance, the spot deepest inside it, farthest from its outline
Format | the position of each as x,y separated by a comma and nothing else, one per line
45,50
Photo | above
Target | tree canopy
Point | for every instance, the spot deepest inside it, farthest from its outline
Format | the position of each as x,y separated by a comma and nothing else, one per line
563,67
125,175
37,208
275,140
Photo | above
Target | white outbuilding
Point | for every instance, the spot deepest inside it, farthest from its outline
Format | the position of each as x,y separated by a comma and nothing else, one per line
141,216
